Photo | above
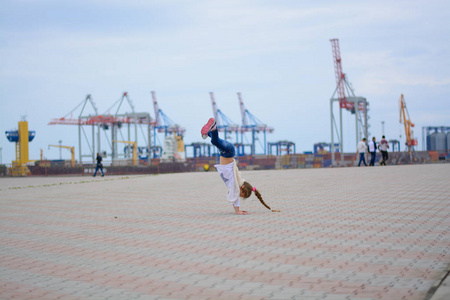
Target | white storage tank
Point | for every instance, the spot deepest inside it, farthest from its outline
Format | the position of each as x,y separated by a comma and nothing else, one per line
438,141
448,141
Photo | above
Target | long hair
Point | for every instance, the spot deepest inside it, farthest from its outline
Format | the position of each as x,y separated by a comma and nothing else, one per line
248,189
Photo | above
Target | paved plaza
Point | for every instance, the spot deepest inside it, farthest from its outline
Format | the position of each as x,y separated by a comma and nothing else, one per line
342,233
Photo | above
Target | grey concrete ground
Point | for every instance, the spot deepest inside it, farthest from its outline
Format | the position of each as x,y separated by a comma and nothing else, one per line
344,233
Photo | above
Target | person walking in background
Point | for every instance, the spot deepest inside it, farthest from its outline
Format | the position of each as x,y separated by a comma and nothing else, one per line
361,149
99,165
383,146
373,151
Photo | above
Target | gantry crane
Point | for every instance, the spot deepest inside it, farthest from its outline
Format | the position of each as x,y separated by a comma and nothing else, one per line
348,101
404,118
224,124
72,152
163,123
134,145
103,122
251,124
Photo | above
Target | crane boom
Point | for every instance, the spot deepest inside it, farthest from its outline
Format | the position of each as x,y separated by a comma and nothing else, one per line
162,122
243,110
340,76
59,146
214,107
156,109
224,124
72,152
405,119
252,124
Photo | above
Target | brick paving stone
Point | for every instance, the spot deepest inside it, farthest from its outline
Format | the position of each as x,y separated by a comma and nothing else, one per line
344,233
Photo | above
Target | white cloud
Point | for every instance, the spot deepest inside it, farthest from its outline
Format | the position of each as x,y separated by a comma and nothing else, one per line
381,72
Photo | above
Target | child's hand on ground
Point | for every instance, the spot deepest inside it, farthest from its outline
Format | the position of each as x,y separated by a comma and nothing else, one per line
239,211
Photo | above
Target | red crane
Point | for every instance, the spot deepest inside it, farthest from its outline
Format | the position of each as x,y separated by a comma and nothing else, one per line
105,121
132,118
340,76
359,106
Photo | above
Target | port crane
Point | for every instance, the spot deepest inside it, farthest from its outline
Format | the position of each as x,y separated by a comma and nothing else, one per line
163,123
252,124
341,80
223,123
114,121
406,121
72,153
348,101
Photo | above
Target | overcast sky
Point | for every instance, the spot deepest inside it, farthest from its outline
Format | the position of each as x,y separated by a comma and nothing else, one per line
276,53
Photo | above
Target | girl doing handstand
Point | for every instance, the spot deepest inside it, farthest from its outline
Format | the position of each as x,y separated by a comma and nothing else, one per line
237,187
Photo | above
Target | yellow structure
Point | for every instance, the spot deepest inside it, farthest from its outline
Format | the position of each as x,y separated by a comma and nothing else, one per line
135,156
181,154
19,166
72,152
404,118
